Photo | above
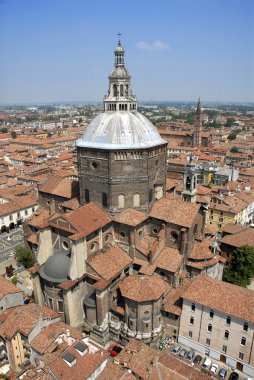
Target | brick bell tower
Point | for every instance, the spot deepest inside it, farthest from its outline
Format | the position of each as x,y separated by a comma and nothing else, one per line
121,156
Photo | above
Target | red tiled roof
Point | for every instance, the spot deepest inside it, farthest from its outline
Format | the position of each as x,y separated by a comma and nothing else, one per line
174,210
222,296
131,217
141,288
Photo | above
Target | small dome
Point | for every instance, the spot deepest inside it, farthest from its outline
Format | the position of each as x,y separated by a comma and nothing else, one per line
56,268
119,48
120,130
120,72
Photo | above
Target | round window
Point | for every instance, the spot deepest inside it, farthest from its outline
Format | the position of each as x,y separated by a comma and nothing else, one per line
94,165
174,235
106,239
92,247
65,244
155,231
140,233
122,234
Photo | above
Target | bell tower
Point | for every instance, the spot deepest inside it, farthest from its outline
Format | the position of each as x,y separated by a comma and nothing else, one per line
190,182
197,138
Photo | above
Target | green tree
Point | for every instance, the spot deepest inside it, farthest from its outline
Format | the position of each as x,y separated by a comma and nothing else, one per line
4,130
234,150
241,269
230,122
24,257
233,135
13,134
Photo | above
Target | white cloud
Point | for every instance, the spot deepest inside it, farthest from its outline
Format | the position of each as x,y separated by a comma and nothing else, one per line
154,46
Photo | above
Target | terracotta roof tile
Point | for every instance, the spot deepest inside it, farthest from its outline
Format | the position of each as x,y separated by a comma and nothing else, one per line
6,287
174,210
222,296
131,217
110,263
143,288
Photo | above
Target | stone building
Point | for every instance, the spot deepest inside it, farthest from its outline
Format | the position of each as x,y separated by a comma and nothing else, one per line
217,320
122,158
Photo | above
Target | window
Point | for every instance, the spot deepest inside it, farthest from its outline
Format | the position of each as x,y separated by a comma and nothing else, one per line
136,200
121,201
33,209
190,334
65,244
26,212
11,217
209,327
191,320
104,199
122,234
243,341
94,165
146,325
114,90
87,196
155,231
208,342
224,349
211,314
226,334
228,321
121,90
92,247
174,236
241,355
60,306
193,307
245,327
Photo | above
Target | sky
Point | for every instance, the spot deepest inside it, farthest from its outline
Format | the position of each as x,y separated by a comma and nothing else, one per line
176,50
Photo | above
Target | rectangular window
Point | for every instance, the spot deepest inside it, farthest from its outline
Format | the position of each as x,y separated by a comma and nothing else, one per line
228,321
241,355
190,334
224,349
208,342
193,307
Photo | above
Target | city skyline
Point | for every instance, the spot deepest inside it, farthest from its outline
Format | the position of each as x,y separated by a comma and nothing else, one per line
180,50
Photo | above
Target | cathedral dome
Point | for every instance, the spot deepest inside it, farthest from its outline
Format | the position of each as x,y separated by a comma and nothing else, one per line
56,268
120,130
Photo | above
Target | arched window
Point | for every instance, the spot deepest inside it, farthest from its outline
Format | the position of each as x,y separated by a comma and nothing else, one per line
209,327
136,200
114,90
191,320
193,307
125,107
121,90
174,236
211,314
87,195
121,201
226,334
104,199
245,326
126,90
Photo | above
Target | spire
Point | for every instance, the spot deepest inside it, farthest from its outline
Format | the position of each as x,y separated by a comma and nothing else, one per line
197,138
119,53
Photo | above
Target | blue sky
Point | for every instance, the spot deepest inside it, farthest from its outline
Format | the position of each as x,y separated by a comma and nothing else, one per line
62,50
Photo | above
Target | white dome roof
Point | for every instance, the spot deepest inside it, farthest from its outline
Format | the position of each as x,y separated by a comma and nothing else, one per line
120,130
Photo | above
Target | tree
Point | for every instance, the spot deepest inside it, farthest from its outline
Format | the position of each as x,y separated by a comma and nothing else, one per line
13,134
24,257
4,130
230,122
233,135
241,269
80,120
234,150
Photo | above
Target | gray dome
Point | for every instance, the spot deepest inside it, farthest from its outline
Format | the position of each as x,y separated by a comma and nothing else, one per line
120,130
119,72
56,268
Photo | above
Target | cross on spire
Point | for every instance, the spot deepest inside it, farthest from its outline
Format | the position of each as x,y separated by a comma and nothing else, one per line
119,35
